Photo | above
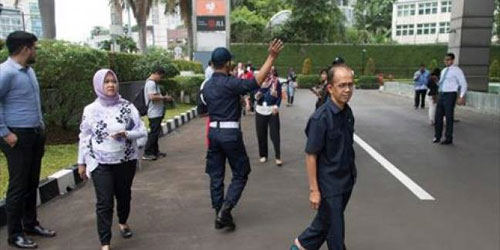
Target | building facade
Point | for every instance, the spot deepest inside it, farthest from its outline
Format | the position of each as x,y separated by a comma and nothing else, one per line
24,16
421,21
347,7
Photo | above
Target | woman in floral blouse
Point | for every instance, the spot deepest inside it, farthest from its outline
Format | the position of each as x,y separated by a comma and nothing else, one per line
108,151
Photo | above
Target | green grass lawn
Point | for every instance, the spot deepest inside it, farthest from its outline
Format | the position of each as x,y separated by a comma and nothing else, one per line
60,156
56,157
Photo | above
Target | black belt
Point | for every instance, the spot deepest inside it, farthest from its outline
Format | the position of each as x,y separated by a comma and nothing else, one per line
35,130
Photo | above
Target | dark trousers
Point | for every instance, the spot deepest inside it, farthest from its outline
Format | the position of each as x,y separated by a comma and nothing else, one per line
327,225
262,122
290,99
24,163
110,182
226,144
420,98
445,108
152,147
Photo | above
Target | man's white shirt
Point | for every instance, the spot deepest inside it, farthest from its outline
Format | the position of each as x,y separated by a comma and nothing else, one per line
453,80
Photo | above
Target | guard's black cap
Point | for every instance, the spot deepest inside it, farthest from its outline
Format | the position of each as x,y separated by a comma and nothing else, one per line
220,56
338,60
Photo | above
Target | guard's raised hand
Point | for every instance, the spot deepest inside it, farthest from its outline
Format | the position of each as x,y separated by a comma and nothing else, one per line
275,47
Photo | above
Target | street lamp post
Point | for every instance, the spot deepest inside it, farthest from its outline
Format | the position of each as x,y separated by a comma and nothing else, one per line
363,52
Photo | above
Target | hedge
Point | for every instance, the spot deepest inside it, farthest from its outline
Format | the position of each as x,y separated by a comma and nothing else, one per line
184,65
399,60
367,82
65,73
307,81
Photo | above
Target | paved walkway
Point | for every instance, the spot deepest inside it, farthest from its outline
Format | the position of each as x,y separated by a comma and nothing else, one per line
171,204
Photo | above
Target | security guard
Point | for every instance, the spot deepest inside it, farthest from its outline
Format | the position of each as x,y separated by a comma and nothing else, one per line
220,98
330,163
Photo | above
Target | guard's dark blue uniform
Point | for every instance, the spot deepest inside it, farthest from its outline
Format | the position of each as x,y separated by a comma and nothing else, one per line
330,137
221,97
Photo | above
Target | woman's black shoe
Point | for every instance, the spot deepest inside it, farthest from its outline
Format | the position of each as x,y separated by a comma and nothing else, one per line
126,232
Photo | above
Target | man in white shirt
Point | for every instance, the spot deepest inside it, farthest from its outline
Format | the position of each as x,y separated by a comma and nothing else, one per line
452,82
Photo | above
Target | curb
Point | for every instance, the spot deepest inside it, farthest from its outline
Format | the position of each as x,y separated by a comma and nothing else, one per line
66,180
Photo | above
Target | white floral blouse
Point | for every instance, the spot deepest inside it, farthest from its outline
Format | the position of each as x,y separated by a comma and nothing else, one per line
99,123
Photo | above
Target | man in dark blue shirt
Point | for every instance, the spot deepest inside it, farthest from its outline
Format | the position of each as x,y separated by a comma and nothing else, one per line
220,97
330,163
23,140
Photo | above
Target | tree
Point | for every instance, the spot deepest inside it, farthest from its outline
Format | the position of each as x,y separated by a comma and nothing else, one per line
98,30
117,7
47,12
496,25
314,21
127,44
186,11
374,17
246,25
141,9
48,15
370,67
495,69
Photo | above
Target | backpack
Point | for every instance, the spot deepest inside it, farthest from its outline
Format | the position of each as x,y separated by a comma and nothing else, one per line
140,103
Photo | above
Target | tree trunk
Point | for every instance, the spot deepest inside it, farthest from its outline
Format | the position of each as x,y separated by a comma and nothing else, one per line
47,12
142,36
117,15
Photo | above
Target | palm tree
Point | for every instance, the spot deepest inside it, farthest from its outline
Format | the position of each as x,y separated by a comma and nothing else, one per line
186,10
141,9
47,12
117,7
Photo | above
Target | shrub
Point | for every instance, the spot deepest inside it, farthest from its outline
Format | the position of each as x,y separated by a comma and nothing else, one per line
370,67
190,85
121,64
65,73
433,65
155,57
495,69
3,55
2,44
306,66
368,82
184,65
307,81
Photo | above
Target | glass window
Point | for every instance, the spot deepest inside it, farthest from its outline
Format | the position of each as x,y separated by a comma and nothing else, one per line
446,7
444,27
426,28
405,30
427,8
406,10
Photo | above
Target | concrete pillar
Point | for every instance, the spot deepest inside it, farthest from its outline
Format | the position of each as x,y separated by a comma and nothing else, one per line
470,39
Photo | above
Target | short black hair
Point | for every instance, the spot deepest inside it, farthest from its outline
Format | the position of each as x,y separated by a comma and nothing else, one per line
325,70
451,55
422,65
17,40
159,70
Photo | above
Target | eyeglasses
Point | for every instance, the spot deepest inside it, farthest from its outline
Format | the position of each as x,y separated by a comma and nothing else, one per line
344,85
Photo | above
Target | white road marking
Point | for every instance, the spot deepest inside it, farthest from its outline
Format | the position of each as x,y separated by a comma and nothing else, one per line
409,183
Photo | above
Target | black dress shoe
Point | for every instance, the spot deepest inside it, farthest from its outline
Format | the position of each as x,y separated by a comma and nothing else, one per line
22,242
436,140
126,233
224,218
40,231
446,142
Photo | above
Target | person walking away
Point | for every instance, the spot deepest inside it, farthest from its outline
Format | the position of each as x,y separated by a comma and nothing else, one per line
319,90
23,139
292,85
452,81
267,115
220,97
420,78
209,70
108,152
156,112
432,85
330,163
